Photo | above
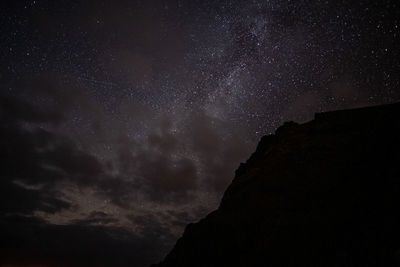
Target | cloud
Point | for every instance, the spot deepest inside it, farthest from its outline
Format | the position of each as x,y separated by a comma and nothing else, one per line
30,240
25,181
219,147
177,165
19,199
156,169
96,218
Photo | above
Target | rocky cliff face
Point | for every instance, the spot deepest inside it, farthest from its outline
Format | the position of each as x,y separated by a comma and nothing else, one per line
323,193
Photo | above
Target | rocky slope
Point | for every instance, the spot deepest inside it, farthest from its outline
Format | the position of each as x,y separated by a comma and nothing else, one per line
323,193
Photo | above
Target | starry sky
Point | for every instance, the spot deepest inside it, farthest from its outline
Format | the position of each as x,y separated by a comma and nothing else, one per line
122,121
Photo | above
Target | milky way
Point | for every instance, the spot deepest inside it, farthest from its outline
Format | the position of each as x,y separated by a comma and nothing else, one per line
122,121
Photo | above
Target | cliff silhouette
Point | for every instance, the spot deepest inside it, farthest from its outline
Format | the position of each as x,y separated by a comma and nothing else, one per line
322,193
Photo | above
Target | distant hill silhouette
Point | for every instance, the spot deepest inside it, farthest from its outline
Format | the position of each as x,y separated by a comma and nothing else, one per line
324,193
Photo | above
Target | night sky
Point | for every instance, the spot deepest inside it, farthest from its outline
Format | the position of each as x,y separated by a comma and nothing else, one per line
122,121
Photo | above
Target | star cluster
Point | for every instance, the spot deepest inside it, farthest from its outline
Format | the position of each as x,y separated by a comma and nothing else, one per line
122,121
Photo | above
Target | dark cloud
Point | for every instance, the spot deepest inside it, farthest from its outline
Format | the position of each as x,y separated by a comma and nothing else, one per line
174,163
163,170
45,156
32,241
25,180
166,174
219,146
96,218
18,199
166,143
50,159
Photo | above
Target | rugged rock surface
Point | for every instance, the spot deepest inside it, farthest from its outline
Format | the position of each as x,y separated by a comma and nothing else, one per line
323,193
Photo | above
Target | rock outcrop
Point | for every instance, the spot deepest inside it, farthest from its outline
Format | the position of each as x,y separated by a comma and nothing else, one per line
324,193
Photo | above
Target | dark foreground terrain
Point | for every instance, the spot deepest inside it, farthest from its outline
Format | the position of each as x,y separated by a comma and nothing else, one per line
323,193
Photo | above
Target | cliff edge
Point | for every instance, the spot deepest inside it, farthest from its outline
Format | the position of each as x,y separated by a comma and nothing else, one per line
322,193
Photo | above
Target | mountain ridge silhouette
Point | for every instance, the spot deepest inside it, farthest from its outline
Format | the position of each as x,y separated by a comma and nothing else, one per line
322,193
